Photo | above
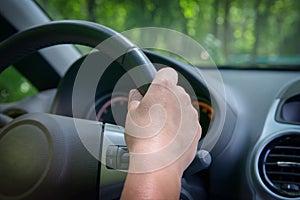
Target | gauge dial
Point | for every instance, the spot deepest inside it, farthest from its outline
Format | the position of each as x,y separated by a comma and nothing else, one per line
113,110
206,113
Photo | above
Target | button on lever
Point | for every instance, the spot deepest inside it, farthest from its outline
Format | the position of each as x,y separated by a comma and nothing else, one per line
117,157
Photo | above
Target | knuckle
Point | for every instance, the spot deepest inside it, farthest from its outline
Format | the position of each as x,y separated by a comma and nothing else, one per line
194,113
165,82
183,95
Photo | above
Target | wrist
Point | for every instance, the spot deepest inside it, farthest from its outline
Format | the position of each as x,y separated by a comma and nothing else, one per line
154,162
152,185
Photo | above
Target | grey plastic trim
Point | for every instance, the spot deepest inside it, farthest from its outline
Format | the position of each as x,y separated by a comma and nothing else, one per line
271,125
112,135
272,129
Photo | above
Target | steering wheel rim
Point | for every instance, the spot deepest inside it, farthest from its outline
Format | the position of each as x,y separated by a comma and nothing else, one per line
80,32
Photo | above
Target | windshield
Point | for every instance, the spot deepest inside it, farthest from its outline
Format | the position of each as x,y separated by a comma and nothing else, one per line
235,33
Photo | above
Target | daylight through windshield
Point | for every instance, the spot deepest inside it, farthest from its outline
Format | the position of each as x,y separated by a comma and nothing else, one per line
234,32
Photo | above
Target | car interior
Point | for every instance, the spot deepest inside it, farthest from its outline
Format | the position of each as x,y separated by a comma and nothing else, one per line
64,87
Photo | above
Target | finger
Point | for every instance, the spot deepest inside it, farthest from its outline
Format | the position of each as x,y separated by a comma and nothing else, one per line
134,95
183,96
195,118
165,80
166,77
163,83
134,99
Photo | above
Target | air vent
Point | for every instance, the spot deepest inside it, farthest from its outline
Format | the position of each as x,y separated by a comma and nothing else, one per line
279,165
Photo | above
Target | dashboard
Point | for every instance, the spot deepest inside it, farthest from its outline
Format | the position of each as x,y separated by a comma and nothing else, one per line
256,104
257,152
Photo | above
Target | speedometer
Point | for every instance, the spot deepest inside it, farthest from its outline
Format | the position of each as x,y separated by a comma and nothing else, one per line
106,106
206,113
114,109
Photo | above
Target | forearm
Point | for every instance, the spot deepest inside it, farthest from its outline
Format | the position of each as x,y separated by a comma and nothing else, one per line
161,184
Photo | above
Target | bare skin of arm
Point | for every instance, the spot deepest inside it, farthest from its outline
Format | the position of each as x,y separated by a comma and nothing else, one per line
162,133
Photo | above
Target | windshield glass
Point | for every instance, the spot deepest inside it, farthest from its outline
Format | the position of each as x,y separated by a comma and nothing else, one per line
237,33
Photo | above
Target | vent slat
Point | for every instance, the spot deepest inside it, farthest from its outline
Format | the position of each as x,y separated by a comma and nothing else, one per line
283,164
283,173
287,147
286,182
284,156
279,165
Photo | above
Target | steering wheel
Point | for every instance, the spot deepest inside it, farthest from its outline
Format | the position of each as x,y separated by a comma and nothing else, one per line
43,142
47,146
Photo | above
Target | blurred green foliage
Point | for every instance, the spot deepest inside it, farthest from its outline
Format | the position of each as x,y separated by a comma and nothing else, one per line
232,31
14,87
